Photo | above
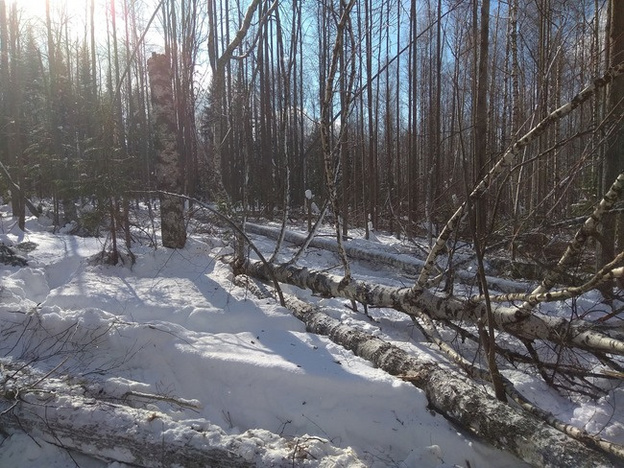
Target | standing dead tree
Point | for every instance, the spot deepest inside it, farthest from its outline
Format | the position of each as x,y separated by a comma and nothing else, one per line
168,171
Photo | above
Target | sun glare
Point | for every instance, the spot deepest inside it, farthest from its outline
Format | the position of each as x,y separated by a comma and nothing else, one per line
37,8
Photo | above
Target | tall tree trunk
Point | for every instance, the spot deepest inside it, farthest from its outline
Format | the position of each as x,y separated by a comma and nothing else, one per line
10,118
15,122
434,153
481,206
412,163
614,153
168,174
4,82
481,117
332,151
372,173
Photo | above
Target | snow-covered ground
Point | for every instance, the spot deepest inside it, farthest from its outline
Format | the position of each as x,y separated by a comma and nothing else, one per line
174,325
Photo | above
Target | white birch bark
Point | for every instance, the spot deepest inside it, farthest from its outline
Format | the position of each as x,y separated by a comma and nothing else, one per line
168,168
575,334
588,228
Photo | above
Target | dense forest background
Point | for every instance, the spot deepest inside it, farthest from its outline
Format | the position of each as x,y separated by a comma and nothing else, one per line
423,97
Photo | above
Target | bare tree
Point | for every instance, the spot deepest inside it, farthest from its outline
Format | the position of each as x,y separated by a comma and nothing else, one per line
331,151
219,63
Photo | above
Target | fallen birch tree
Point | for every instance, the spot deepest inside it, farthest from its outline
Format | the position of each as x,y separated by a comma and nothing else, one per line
536,326
407,264
64,414
458,398
501,312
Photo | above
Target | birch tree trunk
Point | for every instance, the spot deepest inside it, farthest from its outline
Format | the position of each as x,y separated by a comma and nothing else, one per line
168,171
535,326
62,421
326,128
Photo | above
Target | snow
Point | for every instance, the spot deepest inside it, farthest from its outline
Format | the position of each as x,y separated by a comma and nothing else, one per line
174,325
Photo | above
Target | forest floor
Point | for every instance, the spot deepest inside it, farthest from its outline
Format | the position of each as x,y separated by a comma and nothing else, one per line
173,325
